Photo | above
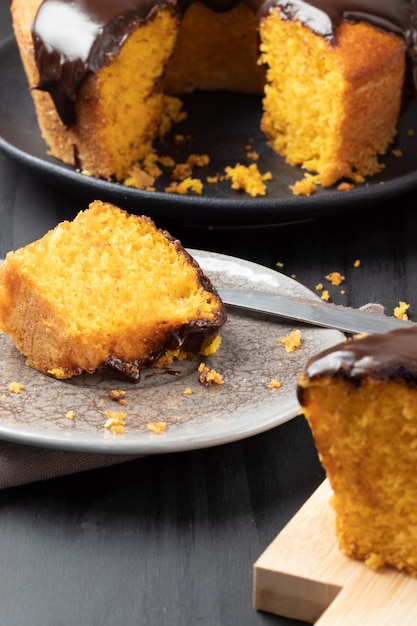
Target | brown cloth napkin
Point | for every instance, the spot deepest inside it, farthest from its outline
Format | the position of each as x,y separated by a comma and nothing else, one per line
20,464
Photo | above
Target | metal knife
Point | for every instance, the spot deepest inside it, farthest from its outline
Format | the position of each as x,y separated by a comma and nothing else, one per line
316,312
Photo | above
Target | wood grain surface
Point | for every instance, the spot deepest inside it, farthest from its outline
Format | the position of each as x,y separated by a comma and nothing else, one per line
304,575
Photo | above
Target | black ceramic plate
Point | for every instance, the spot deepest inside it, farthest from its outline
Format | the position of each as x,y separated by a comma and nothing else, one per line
221,125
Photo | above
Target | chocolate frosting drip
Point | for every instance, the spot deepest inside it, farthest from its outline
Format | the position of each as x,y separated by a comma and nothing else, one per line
323,16
74,38
387,356
190,338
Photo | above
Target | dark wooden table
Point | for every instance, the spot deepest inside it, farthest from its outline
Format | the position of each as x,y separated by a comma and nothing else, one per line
172,539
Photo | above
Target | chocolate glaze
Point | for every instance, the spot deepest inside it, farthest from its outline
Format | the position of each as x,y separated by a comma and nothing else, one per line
383,357
190,338
74,38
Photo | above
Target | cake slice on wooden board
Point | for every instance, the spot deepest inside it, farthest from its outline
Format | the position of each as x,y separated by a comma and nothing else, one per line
360,399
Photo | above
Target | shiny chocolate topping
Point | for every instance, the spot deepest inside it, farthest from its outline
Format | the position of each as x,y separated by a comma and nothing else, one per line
387,356
323,16
74,38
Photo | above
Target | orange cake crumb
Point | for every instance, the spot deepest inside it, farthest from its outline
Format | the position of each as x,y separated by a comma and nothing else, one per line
345,186
274,384
291,341
248,179
139,179
118,395
181,171
253,155
166,161
198,160
401,310
186,185
16,387
115,422
157,427
304,187
208,376
325,295
335,278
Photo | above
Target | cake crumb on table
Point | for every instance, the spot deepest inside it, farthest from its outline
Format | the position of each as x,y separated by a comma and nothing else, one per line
335,278
325,296
400,311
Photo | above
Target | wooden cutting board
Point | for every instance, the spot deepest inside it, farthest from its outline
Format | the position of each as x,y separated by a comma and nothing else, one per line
303,575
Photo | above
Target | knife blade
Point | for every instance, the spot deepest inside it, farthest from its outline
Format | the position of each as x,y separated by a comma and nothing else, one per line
316,312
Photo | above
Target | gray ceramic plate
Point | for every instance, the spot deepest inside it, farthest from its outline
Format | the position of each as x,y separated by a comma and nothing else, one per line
250,356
